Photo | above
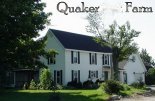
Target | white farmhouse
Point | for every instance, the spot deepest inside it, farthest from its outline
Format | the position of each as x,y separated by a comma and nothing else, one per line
132,70
79,57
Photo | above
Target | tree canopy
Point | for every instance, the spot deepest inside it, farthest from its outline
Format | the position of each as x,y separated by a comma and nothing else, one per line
21,21
119,38
147,59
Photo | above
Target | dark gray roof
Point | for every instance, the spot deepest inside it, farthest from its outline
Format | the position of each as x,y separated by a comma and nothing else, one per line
80,42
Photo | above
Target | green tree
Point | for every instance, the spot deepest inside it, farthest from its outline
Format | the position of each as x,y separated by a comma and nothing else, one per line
119,38
150,76
21,20
147,59
45,79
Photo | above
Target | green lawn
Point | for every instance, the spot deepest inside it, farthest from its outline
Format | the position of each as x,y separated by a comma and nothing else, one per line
66,95
43,95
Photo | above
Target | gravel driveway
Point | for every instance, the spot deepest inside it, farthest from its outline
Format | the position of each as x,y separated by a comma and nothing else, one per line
139,98
145,97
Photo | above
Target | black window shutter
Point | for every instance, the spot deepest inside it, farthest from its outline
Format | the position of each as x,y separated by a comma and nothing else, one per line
90,57
95,58
78,75
55,76
89,74
54,59
72,57
103,59
61,76
111,64
78,57
96,74
72,75
108,58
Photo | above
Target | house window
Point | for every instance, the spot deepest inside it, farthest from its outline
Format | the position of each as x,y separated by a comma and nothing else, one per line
93,58
58,76
75,75
52,59
75,57
106,59
93,74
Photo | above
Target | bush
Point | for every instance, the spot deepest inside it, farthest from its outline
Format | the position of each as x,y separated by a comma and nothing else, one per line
125,87
45,79
25,86
55,87
138,85
112,87
74,84
33,85
89,84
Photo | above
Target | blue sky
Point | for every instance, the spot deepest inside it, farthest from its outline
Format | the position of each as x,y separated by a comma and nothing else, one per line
113,10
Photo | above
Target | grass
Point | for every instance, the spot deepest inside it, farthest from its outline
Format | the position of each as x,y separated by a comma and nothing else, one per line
131,91
43,95
66,95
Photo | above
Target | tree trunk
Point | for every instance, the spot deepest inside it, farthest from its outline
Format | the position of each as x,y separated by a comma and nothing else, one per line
114,71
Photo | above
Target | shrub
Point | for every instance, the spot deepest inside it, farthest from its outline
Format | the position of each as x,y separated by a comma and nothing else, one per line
125,87
25,86
97,81
138,85
88,84
45,79
74,84
59,87
33,85
112,87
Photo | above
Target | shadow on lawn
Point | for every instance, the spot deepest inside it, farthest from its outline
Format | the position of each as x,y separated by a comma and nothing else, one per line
24,96
78,97
45,96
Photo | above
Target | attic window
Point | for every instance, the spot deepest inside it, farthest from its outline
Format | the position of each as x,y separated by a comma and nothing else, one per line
52,59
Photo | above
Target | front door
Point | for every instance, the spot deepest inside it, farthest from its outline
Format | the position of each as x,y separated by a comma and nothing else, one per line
105,75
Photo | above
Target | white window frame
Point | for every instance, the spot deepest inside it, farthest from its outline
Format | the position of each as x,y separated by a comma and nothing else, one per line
52,59
58,77
107,59
75,56
93,58
93,74
75,75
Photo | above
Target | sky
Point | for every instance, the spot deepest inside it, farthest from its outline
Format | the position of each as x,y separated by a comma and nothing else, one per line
112,10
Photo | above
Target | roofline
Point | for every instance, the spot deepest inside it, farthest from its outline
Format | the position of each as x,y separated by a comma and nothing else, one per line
49,31
141,62
88,51
72,32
